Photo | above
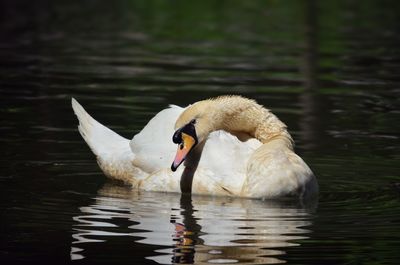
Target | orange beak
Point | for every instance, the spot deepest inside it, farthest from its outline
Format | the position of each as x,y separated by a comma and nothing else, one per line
188,142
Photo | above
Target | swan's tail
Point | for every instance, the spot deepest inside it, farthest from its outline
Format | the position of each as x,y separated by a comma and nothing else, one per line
112,150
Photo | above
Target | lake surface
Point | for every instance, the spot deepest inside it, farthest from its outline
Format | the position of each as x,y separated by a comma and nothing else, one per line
330,71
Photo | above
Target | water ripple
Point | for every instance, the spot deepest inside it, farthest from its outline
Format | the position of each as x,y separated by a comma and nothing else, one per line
192,229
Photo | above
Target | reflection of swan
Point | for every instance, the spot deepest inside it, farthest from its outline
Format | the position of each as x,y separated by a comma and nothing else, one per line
264,165
191,229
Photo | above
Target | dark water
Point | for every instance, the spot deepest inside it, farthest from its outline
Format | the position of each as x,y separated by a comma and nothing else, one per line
330,70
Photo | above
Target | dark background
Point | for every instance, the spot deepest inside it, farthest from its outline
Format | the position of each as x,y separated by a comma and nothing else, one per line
328,69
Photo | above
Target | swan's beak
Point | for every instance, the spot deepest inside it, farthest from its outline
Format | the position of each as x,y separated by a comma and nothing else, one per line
187,144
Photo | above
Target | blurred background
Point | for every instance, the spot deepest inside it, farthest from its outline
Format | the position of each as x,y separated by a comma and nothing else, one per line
329,69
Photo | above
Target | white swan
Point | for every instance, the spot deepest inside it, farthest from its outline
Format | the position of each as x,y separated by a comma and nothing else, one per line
231,146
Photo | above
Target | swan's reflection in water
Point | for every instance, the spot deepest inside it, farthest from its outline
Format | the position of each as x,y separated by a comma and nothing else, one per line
193,229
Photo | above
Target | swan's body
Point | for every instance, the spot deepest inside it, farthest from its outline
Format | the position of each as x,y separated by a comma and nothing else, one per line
261,164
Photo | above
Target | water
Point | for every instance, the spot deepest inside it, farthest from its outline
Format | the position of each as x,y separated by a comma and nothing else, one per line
329,70
186,230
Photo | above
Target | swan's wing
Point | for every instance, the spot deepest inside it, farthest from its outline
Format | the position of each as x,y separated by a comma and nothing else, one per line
112,150
153,146
149,151
224,161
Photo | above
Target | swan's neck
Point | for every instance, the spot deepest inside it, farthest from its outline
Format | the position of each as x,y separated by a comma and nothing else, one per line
242,116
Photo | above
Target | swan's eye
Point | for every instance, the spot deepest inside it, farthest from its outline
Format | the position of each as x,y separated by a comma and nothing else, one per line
193,121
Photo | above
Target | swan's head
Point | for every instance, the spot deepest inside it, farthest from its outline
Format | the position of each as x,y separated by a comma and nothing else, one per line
192,127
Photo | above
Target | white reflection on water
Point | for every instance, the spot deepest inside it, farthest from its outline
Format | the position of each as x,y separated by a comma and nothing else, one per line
194,229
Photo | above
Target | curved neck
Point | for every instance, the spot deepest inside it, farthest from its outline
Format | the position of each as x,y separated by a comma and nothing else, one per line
242,116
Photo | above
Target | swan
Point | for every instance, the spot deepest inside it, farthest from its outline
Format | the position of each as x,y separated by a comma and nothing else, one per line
224,146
